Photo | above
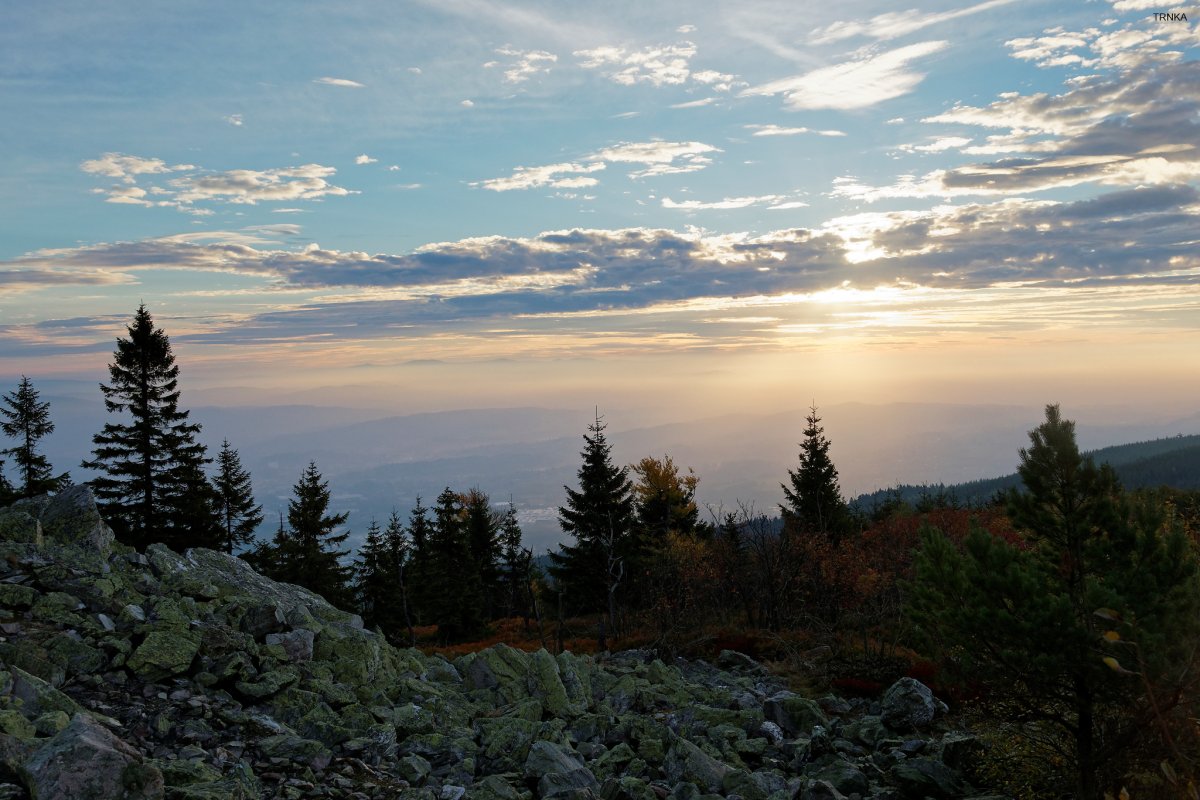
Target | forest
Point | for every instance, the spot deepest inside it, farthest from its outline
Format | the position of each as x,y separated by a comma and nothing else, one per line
1058,613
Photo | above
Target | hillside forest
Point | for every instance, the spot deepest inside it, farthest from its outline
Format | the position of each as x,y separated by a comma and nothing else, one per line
1057,612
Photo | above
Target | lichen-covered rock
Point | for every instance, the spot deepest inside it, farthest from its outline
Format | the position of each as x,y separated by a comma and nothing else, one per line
907,704
687,762
37,696
793,713
87,762
164,653
297,645
72,518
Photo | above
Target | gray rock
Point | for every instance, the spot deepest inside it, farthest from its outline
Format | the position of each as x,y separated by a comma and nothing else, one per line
72,518
87,762
793,713
297,644
907,704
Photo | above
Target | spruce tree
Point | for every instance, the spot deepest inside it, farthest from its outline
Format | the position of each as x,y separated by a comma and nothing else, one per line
513,565
600,517
482,527
398,614
457,607
422,584
27,419
240,516
814,499
1054,627
147,459
308,553
373,580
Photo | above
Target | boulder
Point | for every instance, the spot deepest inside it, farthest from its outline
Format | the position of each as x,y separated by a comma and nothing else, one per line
907,705
87,762
72,518
164,653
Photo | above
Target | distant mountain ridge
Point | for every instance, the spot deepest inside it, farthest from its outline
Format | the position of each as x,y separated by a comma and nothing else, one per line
1172,461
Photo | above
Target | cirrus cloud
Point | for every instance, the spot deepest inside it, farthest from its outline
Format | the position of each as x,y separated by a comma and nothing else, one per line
859,83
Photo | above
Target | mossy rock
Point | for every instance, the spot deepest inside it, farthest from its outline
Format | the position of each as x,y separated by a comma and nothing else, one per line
14,595
37,696
14,724
164,653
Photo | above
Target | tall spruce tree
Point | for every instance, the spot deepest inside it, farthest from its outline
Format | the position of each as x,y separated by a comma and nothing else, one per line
239,515
814,500
148,459
307,553
1056,626
600,517
422,583
458,607
513,566
398,611
482,527
373,577
27,419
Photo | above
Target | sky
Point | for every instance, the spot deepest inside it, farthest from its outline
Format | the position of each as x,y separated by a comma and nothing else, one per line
679,205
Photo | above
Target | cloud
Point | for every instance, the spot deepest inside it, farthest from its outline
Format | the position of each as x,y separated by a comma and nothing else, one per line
241,186
249,187
343,82
526,63
1136,122
695,103
234,119
719,81
365,159
658,158
1125,242
662,65
561,176
938,145
862,82
467,103
776,130
127,168
727,203
895,24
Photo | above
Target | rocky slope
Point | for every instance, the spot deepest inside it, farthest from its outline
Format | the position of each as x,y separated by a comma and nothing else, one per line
191,677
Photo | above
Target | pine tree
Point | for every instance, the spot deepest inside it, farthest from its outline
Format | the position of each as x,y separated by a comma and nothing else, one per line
1054,627
399,614
482,528
600,517
307,551
147,461
814,499
456,605
27,419
373,579
240,516
422,584
513,565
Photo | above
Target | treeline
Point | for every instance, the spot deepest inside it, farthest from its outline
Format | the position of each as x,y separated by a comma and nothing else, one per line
455,566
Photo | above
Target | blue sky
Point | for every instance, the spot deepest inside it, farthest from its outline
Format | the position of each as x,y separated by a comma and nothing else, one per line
994,200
